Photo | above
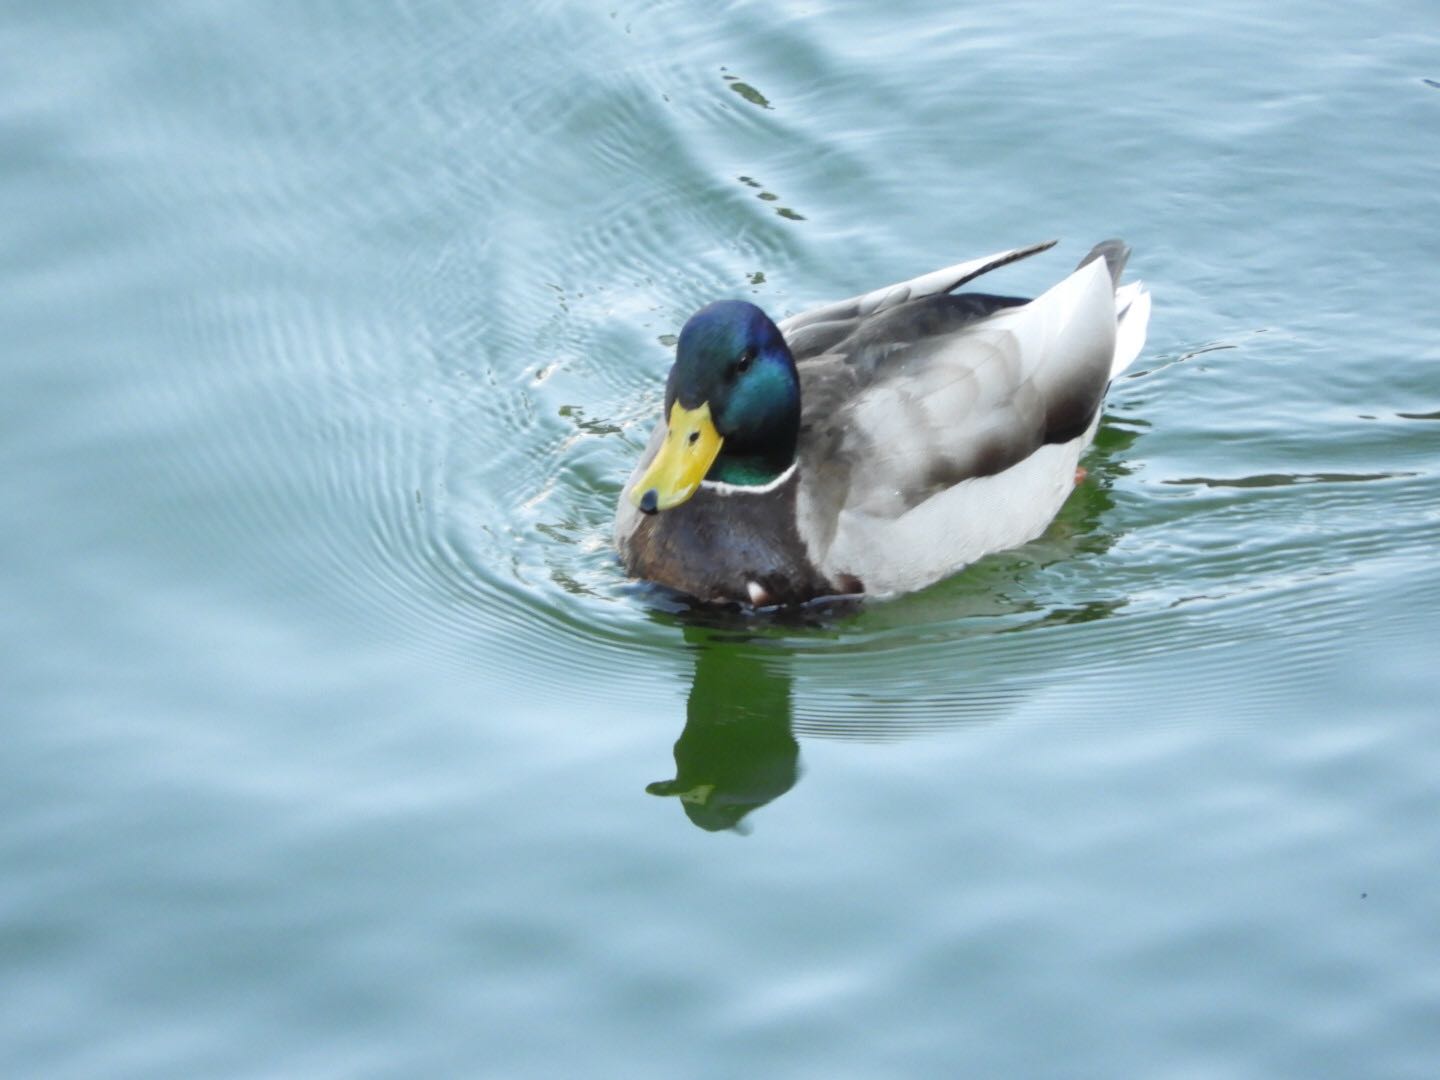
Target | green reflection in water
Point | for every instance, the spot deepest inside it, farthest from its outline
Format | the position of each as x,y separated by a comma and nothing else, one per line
737,751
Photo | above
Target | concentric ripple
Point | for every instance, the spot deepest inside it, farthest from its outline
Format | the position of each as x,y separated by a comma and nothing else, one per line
452,428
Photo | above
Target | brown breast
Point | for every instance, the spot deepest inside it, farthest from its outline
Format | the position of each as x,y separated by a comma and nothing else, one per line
714,546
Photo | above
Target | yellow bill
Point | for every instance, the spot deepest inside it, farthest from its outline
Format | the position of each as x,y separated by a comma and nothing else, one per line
690,448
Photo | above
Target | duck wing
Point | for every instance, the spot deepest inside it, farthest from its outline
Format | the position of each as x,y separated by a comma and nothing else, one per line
814,332
931,392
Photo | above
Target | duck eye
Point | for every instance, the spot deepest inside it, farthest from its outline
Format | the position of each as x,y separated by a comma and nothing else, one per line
746,359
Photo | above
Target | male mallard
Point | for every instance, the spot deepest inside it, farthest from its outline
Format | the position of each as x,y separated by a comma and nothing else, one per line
878,444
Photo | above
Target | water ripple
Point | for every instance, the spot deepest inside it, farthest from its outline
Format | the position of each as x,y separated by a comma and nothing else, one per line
456,424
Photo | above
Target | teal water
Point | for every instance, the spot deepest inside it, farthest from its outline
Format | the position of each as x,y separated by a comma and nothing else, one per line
330,333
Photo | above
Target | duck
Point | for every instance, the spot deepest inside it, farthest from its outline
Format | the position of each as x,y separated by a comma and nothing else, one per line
876,445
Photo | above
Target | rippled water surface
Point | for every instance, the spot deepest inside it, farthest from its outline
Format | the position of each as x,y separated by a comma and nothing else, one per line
336,742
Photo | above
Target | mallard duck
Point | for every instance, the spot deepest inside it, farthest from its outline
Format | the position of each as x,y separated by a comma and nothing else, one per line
878,444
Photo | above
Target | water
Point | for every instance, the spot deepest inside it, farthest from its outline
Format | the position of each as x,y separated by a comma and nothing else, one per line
330,333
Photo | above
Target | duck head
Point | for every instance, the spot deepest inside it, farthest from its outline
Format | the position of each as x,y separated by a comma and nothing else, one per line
732,407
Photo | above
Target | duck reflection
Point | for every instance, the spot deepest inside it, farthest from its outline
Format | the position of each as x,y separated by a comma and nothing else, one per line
738,751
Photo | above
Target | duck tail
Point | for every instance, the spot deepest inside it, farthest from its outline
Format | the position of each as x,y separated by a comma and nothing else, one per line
1116,254
1132,303
1132,317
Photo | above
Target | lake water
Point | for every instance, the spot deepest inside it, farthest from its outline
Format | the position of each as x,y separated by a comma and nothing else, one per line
336,743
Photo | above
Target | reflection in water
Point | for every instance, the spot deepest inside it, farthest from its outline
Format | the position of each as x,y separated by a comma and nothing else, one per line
1265,480
737,751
